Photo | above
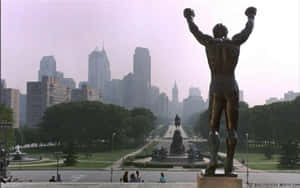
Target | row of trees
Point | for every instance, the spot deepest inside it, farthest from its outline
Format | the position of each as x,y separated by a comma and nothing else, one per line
277,125
89,127
89,124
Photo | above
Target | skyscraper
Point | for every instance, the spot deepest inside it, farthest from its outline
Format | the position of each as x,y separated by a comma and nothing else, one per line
99,70
241,95
23,104
2,84
113,92
142,77
193,104
128,92
175,94
163,105
175,105
47,67
194,91
142,66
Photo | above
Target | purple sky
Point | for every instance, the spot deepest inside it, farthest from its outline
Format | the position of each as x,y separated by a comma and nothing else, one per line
71,29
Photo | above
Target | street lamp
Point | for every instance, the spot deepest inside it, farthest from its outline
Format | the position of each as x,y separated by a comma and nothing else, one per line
0,52
112,141
247,172
112,149
57,155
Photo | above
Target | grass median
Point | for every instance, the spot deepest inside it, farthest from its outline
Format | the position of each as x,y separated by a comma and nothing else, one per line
258,161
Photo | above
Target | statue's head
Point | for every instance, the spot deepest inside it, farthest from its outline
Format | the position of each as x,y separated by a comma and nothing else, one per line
220,31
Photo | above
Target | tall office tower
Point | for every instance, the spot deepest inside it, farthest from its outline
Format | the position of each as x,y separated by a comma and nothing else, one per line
113,92
192,105
41,95
99,70
154,96
174,105
142,66
2,84
128,93
47,67
175,94
241,97
163,105
23,104
10,97
142,76
194,91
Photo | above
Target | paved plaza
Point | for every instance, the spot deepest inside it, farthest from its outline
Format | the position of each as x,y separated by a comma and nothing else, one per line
150,176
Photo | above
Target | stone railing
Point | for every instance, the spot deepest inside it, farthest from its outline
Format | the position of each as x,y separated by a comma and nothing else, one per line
131,185
254,185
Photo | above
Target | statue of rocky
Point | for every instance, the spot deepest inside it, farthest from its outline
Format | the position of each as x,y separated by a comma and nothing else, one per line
222,54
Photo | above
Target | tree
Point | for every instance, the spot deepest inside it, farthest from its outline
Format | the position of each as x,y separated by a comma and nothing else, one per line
91,124
7,138
289,155
70,154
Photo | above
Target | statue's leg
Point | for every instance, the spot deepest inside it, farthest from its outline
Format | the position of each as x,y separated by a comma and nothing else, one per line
216,104
232,113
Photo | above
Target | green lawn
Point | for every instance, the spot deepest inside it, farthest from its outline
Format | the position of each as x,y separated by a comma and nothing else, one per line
32,162
106,156
43,155
95,161
257,157
259,162
148,150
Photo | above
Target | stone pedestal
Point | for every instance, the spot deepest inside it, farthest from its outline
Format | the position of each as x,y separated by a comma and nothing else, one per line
218,182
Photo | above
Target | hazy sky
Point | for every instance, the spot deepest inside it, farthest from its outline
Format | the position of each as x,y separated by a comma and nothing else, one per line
71,29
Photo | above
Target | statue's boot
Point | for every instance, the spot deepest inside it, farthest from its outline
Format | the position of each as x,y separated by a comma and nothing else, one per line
231,142
214,143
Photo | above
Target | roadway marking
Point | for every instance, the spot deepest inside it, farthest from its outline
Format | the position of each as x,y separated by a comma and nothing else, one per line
77,178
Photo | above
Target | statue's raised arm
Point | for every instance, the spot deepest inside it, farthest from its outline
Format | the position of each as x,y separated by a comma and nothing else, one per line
202,38
241,37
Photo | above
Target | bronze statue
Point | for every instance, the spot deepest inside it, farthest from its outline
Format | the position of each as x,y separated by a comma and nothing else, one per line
177,121
222,54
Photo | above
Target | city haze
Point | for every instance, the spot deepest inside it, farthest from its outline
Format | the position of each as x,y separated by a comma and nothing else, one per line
71,29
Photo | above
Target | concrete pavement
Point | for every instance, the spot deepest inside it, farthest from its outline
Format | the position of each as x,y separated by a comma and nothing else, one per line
149,176
170,132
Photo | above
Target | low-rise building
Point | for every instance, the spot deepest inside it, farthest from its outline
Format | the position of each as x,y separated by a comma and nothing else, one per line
10,97
85,93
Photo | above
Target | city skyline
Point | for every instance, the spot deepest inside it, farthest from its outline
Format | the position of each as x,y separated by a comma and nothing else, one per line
175,57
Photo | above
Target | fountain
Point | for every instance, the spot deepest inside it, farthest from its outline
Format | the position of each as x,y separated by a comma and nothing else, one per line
177,147
19,156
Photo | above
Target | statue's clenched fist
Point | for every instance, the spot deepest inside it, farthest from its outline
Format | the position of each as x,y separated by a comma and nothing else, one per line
250,12
188,13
